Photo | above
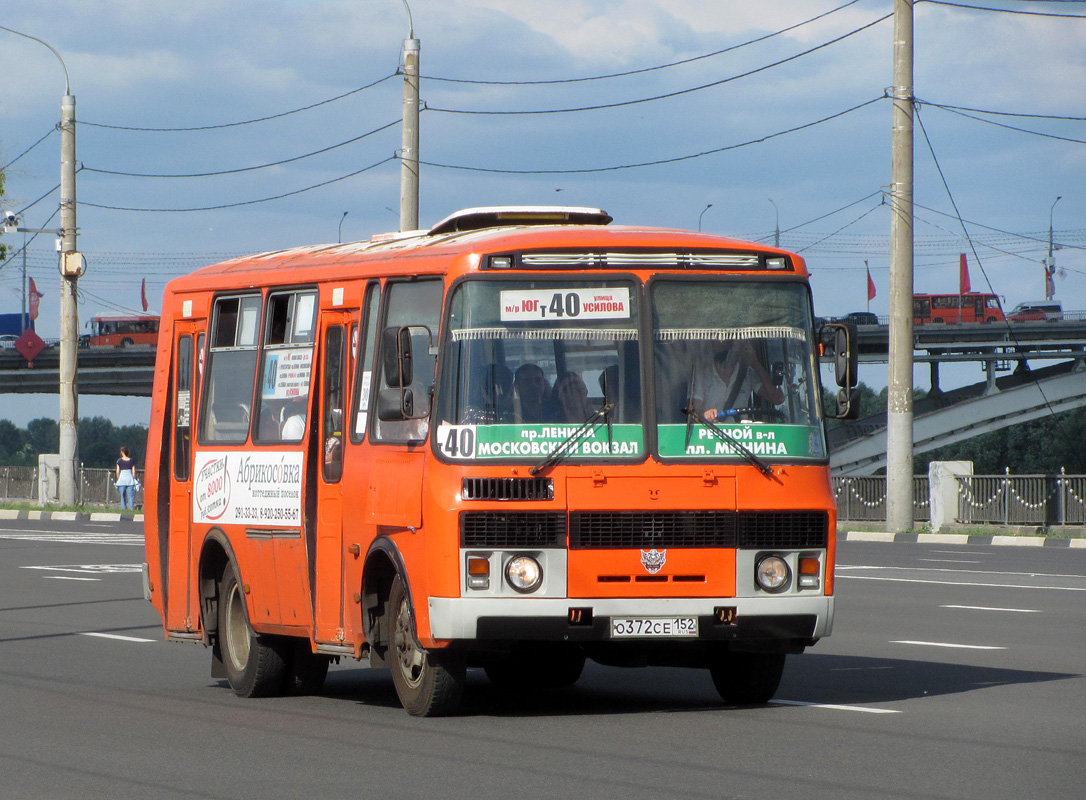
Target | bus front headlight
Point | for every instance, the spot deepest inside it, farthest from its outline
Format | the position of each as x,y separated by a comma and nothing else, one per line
772,574
524,574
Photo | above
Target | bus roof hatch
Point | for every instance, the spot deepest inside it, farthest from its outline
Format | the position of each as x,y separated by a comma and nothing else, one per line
473,219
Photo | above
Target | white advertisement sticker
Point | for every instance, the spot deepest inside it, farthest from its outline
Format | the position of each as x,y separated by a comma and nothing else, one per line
248,488
554,304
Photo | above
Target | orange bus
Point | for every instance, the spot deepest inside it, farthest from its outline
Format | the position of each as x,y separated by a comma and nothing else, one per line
940,308
120,331
493,444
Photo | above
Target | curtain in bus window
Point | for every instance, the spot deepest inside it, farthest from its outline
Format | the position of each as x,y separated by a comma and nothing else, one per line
286,366
365,364
528,362
738,353
227,407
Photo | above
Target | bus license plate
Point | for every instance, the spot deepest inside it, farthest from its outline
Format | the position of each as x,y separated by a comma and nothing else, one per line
653,627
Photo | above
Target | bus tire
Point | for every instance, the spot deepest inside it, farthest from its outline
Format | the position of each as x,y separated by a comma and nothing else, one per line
126,342
537,667
428,684
745,679
255,665
306,670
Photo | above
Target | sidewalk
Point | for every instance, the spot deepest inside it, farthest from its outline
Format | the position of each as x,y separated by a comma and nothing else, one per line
963,538
69,516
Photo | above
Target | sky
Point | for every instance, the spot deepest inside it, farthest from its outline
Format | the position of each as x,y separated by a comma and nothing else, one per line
742,118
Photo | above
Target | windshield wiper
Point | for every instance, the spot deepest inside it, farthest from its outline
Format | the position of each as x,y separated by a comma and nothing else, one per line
587,427
744,452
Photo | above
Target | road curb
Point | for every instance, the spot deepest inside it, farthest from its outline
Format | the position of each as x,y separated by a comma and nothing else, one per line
961,538
68,516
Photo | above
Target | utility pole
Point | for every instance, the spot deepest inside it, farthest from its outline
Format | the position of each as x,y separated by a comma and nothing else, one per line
899,423
70,270
1050,263
409,150
71,267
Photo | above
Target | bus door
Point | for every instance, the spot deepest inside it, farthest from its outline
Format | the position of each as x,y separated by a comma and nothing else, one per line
335,331
188,339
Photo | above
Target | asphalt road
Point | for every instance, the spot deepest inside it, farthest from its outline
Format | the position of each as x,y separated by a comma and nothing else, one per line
953,672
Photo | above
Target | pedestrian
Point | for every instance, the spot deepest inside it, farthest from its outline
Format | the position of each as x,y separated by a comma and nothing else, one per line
126,480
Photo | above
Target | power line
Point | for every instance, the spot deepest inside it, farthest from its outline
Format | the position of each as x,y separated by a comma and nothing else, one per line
245,202
1003,10
42,139
644,69
1008,127
245,122
679,93
659,162
947,107
244,169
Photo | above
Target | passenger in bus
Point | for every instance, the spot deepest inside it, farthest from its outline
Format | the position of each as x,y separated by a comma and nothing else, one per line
531,393
294,420
490,397
570,400
736,375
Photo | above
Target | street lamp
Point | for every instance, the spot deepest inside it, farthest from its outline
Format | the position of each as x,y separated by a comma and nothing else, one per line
340,237
702,214
1050,263
71,267
776,225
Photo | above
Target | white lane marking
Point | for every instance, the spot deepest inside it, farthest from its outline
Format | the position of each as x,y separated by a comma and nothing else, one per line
949,644
116,636
965,583
963,552
964,571
835,707
92,569
68,537
948,561
69,578
989,608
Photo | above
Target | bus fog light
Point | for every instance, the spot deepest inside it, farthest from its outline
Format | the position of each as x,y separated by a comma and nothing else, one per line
524,574
772,574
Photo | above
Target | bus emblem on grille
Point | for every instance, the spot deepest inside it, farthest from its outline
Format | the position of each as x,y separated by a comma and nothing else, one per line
653,560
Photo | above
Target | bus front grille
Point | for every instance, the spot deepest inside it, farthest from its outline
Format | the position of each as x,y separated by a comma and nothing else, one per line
507,489
615,530
783,530
512,529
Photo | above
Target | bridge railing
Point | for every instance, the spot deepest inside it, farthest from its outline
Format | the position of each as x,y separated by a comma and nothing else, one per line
96,485
1041,500
862,498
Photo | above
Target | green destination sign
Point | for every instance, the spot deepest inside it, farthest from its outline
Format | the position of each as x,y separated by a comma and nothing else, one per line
482,442
764,441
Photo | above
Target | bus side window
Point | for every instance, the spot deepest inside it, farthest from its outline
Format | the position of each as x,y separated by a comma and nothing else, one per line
231,369
332,403
416,304
364,361
286,366
183,409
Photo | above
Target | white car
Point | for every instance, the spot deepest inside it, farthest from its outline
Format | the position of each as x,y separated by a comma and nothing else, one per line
7,341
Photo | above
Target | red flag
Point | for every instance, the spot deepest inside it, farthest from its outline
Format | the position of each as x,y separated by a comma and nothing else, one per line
33,298
143,293
963,277
870,284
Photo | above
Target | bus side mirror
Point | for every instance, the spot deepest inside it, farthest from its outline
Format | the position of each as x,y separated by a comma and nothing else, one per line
848,404
395,404
845,355
396,353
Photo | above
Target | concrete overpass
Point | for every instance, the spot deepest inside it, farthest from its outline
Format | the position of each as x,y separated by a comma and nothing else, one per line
105,371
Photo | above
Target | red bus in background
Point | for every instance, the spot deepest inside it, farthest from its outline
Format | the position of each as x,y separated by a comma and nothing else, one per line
120,331
972,307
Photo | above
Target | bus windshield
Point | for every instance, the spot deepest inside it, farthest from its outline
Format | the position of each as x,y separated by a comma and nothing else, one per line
738,355
528,362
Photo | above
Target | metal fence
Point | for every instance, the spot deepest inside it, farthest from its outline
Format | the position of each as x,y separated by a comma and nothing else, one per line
1041,500
863,498
96,485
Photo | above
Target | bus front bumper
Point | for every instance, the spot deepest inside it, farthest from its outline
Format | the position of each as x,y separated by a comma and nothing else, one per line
734,619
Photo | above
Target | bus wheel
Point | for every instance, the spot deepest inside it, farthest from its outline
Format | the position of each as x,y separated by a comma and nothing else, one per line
427,684
545,667
745,679
306,670
126,342
255,665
